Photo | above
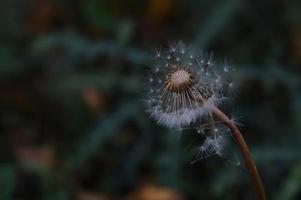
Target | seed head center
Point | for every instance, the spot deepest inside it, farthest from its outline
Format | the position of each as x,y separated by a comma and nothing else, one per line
180,80
180,77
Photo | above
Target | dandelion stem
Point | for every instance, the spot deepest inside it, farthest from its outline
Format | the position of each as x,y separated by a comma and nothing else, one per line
254,175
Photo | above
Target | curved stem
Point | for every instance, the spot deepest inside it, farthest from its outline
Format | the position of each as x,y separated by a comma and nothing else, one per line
256,180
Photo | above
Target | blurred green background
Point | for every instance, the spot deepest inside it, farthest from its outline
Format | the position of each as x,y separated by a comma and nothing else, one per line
73,124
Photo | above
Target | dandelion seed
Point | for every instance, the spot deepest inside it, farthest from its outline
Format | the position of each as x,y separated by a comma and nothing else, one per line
199,130
213,144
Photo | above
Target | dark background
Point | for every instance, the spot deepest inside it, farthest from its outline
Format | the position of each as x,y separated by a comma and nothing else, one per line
72,119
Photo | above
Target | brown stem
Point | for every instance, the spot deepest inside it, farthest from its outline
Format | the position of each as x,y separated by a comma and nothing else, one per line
256,180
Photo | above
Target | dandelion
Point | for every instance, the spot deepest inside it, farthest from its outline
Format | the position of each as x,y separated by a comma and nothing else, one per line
186,88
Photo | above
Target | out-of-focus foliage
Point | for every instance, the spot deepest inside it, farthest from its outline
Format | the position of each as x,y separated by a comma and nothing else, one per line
73,124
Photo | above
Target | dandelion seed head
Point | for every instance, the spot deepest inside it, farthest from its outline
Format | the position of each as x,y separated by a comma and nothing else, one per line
184,87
